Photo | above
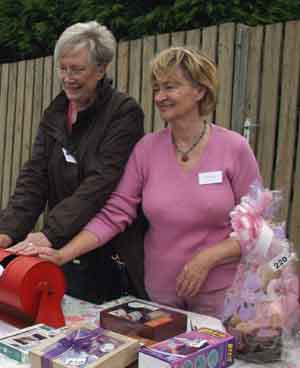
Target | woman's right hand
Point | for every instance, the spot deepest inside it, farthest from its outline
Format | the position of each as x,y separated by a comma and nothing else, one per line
32,242
45,252
82,243
51,254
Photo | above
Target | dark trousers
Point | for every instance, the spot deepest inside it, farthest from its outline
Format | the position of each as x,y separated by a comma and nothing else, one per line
97,278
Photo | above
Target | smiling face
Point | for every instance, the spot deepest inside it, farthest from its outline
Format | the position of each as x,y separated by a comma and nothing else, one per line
79,76
176,98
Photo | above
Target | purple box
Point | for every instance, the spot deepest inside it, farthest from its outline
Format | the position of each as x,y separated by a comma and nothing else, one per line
204,348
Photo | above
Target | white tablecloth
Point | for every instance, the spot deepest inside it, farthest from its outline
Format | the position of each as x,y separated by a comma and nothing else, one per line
79,311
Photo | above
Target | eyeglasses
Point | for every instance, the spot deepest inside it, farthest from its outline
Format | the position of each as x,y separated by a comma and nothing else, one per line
71,72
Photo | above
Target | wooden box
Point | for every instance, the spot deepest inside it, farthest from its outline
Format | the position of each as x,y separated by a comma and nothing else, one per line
85,347
137,318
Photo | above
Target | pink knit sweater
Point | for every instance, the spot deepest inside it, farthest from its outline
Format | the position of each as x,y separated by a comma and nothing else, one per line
188,210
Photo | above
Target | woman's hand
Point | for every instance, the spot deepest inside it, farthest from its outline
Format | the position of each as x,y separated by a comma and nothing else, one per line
193,275
195,272
52,255
82,243
29,246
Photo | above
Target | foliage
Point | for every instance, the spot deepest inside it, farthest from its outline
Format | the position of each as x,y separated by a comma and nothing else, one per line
29,28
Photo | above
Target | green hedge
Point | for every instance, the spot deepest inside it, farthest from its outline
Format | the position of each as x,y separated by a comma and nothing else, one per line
29,28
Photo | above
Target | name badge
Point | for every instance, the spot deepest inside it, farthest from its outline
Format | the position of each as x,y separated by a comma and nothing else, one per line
210,177
69,157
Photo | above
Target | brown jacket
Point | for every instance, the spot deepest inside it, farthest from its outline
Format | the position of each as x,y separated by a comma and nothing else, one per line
74,192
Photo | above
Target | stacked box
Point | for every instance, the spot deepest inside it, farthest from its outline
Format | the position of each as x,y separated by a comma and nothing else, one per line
203,348
136,318
85,347
17,344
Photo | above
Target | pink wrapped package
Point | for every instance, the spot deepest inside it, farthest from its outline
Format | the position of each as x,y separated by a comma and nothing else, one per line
262,305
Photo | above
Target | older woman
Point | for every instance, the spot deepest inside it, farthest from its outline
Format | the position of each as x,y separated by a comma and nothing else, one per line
82,145
188,177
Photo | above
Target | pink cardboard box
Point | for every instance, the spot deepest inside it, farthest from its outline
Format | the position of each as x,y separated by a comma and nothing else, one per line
204,348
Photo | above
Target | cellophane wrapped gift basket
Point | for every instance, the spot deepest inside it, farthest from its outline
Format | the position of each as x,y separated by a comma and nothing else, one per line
262,307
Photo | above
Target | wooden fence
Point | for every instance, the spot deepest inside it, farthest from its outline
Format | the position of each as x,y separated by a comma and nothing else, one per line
259,80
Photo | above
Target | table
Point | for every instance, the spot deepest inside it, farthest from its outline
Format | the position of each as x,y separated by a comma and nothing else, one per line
77,311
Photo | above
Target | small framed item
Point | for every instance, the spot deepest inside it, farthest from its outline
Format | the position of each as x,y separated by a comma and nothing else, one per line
201,348
17,345
85,347
146,320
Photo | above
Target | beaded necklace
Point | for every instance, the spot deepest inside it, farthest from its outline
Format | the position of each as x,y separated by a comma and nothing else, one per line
185,154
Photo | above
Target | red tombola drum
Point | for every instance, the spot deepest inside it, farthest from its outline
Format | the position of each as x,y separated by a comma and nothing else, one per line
31,291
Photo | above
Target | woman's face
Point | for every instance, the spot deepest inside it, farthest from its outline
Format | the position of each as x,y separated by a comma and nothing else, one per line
79,76
176,98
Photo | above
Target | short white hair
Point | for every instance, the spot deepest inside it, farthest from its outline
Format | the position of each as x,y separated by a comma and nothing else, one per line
99,41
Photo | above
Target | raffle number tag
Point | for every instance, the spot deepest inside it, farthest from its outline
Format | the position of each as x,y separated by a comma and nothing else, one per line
77,361
280,261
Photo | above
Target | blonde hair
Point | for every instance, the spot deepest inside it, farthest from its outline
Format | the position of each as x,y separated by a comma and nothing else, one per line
99,41
197,67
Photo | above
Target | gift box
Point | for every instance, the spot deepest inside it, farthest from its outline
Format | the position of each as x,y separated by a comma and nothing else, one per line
136,318
17,344
85,347
201,348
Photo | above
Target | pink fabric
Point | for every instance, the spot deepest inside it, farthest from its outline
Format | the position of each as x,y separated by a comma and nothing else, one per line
72,115
184,216
209,304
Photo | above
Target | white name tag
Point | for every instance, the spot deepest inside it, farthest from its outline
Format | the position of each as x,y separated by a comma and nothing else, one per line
69,157
211,177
